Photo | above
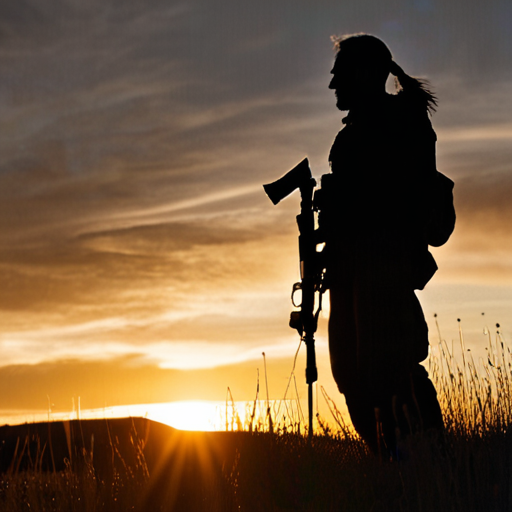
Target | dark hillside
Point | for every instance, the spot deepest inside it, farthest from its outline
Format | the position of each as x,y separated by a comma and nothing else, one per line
174,466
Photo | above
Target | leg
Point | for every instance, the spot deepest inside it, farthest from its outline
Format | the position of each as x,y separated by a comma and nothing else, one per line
362,414
409,405
422,396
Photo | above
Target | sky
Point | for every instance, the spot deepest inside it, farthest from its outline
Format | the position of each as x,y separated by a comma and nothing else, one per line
140,260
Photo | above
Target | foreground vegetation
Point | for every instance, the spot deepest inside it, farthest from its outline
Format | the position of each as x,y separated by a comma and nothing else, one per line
281,471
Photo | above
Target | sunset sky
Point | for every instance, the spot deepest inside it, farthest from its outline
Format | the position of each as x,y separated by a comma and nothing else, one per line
140,258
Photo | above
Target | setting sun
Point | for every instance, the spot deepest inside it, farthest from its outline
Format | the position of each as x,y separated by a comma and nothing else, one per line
189,415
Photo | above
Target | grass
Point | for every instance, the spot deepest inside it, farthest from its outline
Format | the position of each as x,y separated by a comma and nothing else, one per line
268,463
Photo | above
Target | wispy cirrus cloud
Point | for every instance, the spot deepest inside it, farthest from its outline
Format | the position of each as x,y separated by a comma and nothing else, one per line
135,137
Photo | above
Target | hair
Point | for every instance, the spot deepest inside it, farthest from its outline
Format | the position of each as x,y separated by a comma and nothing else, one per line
372,52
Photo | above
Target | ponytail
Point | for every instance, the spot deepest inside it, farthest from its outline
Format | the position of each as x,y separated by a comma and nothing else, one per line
415,88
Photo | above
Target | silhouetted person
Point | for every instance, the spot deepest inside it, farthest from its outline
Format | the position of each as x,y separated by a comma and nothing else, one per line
381,210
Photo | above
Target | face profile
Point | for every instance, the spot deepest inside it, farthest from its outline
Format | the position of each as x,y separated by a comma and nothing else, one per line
344,84
360,71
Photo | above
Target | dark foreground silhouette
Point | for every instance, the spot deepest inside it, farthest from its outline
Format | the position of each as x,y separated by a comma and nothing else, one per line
382,205
137,464
163,465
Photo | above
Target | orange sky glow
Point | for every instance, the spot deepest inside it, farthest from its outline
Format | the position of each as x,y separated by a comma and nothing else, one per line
140,260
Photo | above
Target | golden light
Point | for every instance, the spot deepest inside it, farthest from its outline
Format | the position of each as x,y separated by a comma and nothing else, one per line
189,415
195,415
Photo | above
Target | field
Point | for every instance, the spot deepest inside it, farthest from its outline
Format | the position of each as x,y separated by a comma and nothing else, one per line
136,464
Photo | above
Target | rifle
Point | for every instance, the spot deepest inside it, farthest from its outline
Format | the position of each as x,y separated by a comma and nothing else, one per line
305,320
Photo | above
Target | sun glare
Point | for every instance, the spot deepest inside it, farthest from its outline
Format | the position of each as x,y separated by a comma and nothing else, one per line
185,415
188,415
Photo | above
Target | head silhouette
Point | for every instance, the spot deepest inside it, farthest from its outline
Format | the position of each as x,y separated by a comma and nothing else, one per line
362,66
360,70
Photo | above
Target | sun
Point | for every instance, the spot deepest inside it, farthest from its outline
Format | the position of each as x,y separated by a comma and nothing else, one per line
189,415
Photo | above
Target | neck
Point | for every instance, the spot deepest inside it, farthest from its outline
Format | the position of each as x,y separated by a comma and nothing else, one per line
370,106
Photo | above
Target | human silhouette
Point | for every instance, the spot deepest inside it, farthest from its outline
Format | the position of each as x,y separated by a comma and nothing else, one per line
381,206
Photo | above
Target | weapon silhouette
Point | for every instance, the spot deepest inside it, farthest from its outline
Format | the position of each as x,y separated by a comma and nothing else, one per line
305,320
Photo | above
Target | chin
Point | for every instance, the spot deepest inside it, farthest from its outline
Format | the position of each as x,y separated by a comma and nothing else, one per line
341,106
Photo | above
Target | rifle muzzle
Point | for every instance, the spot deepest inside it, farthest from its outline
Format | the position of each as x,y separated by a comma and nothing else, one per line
284,186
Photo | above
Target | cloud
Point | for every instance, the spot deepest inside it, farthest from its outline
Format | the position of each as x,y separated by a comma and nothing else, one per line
121,381
136,137
110,339
146,290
